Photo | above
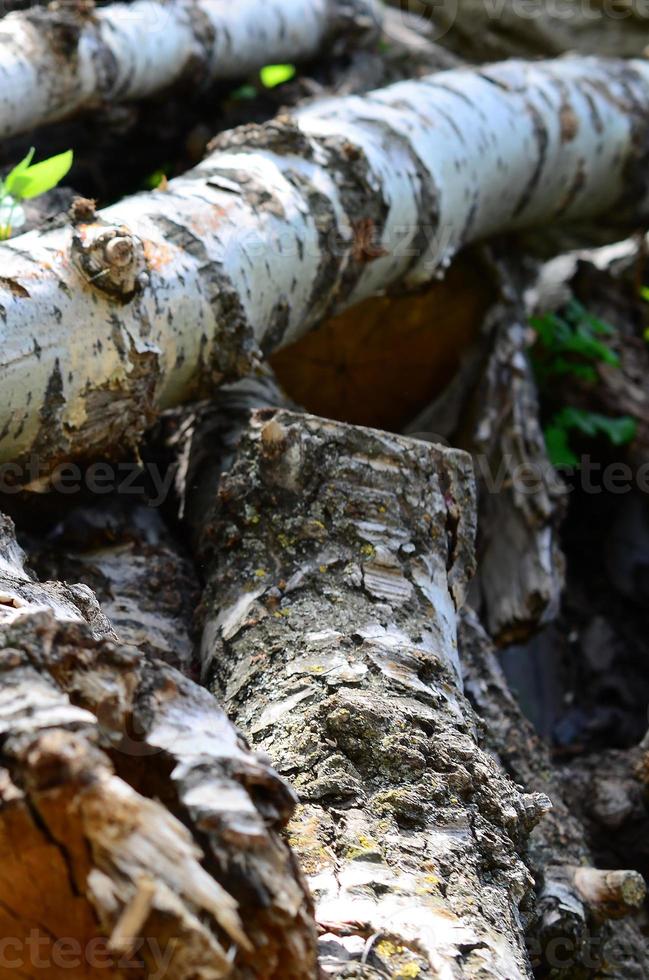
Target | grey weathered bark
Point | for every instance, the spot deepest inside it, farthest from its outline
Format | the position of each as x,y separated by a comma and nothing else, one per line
491,410
571,935
487,31
337,557
54,62
146,585
168,293
131,809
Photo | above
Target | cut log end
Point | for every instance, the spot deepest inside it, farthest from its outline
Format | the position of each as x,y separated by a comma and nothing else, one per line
610,894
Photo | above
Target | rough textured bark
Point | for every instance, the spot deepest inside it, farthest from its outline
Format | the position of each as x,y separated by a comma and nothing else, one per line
200,442
131,809
146,585
338,558
491,410
55,62
170,291
570,936
489,31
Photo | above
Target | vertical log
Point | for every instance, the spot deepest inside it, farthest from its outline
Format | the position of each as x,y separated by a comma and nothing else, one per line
337,560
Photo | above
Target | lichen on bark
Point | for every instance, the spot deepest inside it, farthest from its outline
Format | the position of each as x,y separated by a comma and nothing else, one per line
337,560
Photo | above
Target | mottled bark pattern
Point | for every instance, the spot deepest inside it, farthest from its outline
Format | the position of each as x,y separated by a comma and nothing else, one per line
55,62
130,806
522,566
339,557
286,222
146,584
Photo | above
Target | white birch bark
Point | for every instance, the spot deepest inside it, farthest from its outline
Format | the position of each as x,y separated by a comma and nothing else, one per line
55,62
130,807
336,558
165,294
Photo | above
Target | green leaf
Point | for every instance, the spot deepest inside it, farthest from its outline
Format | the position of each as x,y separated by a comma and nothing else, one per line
243,93
582,342
273,75
41,177
560,453
577,418
552,330
644,292
17,171
620,431
155,179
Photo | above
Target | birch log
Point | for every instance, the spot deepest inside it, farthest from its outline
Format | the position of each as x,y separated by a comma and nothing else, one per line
55,62
337,557
139,836
104,323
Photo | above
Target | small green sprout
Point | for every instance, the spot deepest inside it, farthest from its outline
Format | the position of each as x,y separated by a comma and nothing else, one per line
243,93
28,180
573,344
620,431
157,178
274,75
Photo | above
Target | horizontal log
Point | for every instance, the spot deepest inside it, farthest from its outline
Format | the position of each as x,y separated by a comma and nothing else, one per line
108,320
57,61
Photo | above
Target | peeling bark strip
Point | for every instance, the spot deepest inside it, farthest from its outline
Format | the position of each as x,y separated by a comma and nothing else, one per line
491,410
104,324
130,808
55,62
340,556
147,587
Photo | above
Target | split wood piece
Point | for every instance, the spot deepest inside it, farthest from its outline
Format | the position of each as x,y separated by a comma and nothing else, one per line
107,321
337,558
131,809
609,894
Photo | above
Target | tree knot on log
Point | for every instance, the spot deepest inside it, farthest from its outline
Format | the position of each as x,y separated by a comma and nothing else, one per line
111,259
82,211
62,25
